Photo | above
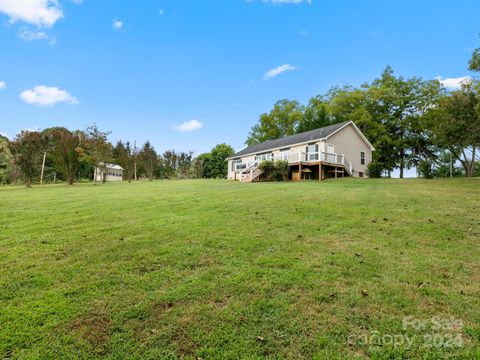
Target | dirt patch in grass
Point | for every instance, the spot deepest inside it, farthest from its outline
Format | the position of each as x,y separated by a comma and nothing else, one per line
186,346
94,329
169,326
160,308
220,302
154,324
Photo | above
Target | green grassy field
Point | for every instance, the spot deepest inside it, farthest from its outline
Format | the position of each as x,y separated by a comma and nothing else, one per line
216,269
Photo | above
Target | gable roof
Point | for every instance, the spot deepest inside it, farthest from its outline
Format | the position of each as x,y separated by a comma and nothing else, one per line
305,137
113,167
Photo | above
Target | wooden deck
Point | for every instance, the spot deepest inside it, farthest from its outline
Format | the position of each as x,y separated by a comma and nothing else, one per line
319,170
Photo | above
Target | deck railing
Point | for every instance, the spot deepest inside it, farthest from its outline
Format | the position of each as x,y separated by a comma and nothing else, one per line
296,157
244,167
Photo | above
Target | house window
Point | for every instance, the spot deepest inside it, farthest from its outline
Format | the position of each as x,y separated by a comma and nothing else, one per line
284,153
360,174
234,164
312,152
311,148
362,157
263,157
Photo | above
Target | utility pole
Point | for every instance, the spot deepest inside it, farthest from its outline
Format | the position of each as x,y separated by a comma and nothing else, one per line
451,165
135,158
43,167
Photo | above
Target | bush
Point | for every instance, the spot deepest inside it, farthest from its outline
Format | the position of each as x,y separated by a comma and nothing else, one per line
281,170
267,167
277,170
375,170
425,168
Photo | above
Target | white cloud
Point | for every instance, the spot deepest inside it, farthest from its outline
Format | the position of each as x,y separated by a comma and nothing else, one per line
42,13
29,35
188,126
47,96
454,83
278,70
117,24
3,85
37,35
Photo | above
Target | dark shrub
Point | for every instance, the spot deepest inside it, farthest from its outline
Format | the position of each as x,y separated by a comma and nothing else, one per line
280,171
375,169
267,167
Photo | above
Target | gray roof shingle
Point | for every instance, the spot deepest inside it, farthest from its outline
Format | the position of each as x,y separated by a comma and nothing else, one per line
307,136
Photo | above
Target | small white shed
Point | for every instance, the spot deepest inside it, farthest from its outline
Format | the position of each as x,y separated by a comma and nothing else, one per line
112,173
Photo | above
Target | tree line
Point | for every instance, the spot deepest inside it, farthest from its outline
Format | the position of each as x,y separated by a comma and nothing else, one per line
61,154
411,122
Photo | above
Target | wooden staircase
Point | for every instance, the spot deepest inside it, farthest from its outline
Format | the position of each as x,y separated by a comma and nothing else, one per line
250,175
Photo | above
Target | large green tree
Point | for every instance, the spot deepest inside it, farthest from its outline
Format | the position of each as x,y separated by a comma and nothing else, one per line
170,163
474,63
363,105
149,159
456,125
63,148
95,148
6,161
27,150
184,164
390,112
196,170
316,115
214,163
123,155
400,105
281,121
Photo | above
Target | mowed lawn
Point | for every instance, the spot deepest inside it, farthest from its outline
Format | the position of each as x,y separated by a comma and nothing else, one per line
216,269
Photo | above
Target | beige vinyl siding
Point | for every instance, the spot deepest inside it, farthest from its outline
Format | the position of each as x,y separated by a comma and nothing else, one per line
348,142
230,172
245,160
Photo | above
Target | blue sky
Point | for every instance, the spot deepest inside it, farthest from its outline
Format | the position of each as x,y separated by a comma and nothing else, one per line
146,69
